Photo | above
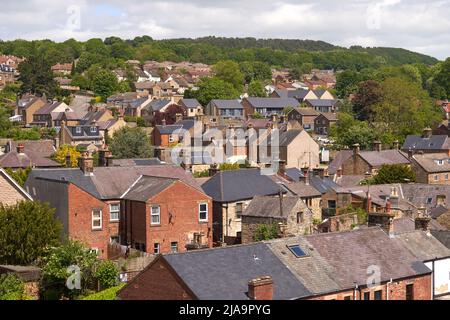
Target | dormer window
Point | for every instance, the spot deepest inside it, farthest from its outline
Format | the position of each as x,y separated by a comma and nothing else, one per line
78,129
93,129
440,162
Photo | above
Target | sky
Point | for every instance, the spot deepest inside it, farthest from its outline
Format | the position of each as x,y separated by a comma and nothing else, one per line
417,25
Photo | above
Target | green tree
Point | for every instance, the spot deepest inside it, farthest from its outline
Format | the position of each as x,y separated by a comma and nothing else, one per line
214,88
229,71
26,230
55,270
37,77
256,89
266,232
104,84
20,175
442,78
346,83
405,108
393,173
131,143
367,95
349,131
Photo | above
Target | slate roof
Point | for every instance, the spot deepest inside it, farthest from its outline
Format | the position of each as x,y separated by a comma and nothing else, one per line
338,160
190,103
378,158
262,206
288,136
438,211
330,116
36,154
351,253
203,272
435,142
294,173
406,224
185,124
147,187
227,104
112,182
429,162
307,111
234,185
298,94
322,102
443,236
47,108
85,132
136,162
423,246
276,103
157,105
323,185
303,190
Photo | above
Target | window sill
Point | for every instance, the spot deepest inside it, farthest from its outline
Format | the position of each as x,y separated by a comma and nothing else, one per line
155,225
114,221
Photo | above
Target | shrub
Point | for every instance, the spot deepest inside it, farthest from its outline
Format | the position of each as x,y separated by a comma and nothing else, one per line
11,287
107,274
108,294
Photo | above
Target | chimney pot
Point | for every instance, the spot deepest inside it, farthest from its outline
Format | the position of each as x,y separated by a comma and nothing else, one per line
427,133
20,148
422,223
86,164
261,288
356,149
377,145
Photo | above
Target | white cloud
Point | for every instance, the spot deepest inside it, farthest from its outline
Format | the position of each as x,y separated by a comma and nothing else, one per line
412,24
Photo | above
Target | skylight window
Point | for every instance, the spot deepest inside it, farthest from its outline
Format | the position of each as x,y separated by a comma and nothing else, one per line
297,251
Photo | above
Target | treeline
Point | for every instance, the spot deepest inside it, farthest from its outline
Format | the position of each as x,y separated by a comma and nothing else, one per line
282,53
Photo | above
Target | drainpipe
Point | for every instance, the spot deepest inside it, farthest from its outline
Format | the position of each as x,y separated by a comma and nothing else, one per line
354,292
387,289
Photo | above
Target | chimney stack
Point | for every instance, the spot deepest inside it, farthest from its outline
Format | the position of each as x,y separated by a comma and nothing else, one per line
281,167
393,198
178,117
426,133
105,156
213,169
339,172
377,145
383,220
396,145
422,223
356,149
305,178
20,148
86,164
163,122
261,288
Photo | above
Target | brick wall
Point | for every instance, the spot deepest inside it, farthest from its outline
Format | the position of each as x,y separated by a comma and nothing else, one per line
80,207
179,216
155,283
397,290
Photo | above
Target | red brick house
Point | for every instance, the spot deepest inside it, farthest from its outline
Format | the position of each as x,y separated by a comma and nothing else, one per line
166,215
89,203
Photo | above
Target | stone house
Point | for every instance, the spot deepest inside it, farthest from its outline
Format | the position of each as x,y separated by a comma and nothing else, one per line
290,213
192,106
304,116
431,168
426,143
323,123
27,107
24,154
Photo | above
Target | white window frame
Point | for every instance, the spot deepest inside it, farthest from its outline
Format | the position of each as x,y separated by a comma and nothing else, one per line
159,247
171,138
436,177
172,248
111,211
155,215
78,129
93,129
202,211
95,219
